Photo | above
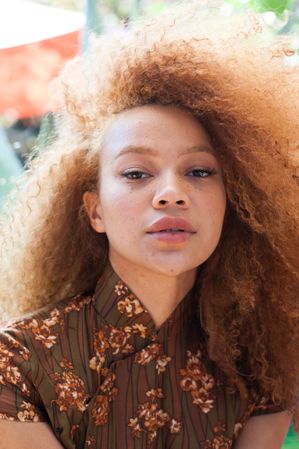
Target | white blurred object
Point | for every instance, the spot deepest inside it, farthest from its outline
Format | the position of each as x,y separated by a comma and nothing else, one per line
25,22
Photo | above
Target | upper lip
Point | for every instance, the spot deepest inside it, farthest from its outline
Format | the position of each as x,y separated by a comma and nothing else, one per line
171,223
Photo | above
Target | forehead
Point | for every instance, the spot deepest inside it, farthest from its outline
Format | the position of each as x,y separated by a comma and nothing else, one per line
154,125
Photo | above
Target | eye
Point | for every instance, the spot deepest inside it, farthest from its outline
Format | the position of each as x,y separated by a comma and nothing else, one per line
202,172
135,174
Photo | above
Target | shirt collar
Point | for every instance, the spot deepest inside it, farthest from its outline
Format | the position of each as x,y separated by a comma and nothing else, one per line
120,307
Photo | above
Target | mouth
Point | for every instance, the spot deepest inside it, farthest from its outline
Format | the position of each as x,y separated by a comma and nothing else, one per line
169,230
171,225
171,235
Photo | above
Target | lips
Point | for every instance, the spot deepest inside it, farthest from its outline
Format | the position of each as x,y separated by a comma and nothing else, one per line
171,224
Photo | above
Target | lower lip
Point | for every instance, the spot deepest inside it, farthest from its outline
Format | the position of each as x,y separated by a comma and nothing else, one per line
172,237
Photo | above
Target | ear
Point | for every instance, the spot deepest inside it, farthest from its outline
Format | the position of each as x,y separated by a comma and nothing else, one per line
93,208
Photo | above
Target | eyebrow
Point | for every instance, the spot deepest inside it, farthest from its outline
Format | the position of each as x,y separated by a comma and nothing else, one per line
141,149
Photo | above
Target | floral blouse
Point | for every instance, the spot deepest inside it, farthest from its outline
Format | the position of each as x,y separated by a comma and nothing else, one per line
96,368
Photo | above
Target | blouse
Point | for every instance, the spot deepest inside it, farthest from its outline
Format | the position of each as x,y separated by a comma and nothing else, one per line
96,368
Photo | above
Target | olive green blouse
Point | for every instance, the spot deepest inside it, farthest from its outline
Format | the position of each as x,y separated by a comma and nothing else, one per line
96,368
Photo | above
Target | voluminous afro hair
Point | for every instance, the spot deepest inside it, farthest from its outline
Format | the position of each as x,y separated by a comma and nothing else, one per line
234,78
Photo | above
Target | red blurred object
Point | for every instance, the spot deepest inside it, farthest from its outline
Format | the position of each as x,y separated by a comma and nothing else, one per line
35,43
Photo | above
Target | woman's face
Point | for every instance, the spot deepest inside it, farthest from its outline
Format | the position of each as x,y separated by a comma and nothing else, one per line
158,162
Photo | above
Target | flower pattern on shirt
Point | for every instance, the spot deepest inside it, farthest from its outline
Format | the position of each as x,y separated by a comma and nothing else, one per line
9,372
108,393
45,330
6,417
70,389
90,441
218,442
150,353
28,413
77,303
48,330
118,339
237,429
150,418
197,381
130,305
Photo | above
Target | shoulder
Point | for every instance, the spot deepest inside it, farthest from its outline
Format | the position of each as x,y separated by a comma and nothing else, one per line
34,348
44,325
264,431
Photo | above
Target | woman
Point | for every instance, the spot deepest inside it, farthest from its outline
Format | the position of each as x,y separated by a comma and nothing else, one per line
157,239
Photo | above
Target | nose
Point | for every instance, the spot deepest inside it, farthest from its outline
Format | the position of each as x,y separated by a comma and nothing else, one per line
170,193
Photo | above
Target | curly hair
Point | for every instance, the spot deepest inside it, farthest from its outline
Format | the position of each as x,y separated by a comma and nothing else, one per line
233,76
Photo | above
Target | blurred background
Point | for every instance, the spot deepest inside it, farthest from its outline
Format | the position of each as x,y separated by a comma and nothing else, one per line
38,37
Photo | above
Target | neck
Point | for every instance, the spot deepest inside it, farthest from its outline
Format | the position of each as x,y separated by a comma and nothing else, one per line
160,294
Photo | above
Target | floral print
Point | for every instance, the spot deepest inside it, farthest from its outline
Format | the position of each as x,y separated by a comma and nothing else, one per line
5,417
150,418
9,372
218,442
150,353
116,339
28,412
130,305
77,303
237,429
95,363
70,389
197,381
45,330
100,409
90,441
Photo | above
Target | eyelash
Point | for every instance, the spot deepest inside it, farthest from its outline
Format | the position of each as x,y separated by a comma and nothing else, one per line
210,172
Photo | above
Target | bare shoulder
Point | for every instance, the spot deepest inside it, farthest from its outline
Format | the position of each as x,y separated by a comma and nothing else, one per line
18,435
264,431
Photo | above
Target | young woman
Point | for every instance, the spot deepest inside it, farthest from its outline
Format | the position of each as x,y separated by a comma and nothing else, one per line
153,247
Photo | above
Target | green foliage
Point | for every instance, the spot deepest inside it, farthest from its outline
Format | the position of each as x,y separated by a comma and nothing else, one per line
292,440
277,6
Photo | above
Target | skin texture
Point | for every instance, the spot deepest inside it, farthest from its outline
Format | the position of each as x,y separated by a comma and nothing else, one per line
16,435
169,183
264,432
261,432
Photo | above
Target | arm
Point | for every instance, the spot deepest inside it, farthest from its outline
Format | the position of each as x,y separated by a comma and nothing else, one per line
264,432
17,435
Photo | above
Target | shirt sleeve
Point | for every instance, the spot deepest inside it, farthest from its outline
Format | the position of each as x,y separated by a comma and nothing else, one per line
266,406
19,399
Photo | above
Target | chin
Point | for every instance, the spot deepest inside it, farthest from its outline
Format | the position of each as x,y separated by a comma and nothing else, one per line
173,269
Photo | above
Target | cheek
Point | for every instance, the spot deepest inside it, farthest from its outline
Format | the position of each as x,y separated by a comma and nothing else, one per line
119,205
214,207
